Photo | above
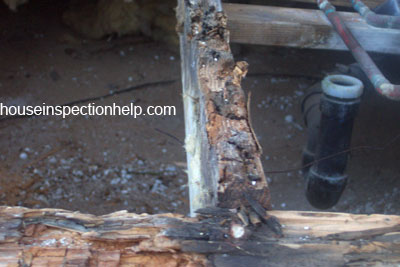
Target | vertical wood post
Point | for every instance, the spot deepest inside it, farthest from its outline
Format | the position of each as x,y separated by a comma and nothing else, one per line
223,155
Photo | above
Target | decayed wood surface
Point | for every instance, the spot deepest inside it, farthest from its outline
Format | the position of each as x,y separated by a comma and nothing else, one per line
51,237
303,28
224,166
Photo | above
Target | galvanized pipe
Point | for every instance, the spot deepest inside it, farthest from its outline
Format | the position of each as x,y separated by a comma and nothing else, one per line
381,84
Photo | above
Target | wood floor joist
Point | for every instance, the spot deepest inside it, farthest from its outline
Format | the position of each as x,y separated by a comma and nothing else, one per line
342,3
304,28
50,237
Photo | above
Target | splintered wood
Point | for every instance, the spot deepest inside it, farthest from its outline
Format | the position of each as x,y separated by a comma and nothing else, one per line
223,155
51,237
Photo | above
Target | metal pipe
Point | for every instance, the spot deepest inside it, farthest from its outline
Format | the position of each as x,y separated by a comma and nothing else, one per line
381,84
373,19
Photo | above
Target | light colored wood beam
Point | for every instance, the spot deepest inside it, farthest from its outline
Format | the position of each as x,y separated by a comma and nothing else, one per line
303,28
344,3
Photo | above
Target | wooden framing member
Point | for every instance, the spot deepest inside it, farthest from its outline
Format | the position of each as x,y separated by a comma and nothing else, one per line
224,166
226,180
304,28
226,174
344,3
50,237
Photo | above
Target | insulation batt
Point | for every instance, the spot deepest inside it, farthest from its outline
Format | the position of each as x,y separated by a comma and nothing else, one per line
97,19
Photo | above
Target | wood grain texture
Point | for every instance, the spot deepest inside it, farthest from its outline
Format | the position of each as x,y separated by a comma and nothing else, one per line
343,3
51,237
222,152
303,28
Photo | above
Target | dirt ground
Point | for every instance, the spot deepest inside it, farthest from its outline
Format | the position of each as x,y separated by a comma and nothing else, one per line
104,164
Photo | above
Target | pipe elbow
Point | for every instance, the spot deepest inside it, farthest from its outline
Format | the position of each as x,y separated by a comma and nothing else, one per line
389,90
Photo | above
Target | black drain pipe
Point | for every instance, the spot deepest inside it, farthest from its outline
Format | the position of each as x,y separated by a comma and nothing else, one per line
312,117
339,103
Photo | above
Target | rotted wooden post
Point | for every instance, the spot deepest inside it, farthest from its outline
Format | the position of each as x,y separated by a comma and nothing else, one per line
223,154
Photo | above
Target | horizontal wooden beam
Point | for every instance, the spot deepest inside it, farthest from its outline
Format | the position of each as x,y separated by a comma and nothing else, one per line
304,28
344,3
51,237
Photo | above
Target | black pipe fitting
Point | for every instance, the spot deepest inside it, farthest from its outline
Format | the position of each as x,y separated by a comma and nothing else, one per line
339,102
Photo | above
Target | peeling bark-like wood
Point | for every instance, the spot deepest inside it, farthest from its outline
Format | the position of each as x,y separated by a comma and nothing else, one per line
51,237
304,28
222,152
